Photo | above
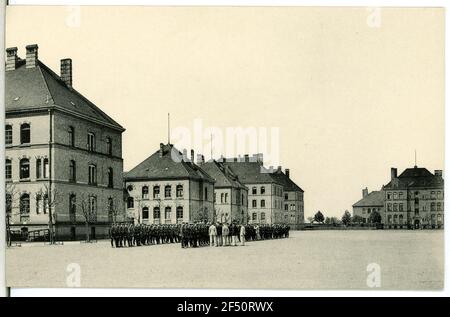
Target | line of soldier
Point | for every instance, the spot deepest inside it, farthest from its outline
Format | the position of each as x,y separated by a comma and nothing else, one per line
130,235
223,234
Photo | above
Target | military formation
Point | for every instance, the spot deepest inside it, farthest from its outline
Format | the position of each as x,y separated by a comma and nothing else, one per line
130,235
193,235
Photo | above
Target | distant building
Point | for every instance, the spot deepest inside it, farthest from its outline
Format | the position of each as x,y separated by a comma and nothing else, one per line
265,193
293,203
63,154
370,202
230,195
169,188
414,199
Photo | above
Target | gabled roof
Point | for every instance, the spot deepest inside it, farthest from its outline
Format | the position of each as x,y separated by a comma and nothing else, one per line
287,183
39,87
222,174
171,165
375,198
250,172
416,177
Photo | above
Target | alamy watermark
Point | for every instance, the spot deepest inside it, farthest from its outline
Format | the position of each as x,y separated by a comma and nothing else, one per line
251,144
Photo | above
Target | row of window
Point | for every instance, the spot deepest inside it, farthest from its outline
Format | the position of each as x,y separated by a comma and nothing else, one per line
398,219
167,192
42,169
399,207
24,168
400,195
255,216
290,207
157,213
224,198
25,137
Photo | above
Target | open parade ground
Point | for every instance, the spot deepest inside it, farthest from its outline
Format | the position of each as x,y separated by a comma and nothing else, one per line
332,259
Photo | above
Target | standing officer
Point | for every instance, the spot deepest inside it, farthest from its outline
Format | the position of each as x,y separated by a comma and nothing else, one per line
242,234
225,233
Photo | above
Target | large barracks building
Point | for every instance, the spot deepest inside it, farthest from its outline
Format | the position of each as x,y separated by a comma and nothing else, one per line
63,154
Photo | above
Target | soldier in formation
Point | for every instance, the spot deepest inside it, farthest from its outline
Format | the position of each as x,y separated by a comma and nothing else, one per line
129,235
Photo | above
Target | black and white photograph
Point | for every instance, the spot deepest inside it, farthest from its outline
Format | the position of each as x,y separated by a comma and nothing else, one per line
224,147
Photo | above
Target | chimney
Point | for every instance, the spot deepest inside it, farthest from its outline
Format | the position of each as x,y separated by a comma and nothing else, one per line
161,149
185,158
279,168
438,173
393,173
246,158
365,192
200,159
286,171
260,158
32,55
66,71
192,156
11,58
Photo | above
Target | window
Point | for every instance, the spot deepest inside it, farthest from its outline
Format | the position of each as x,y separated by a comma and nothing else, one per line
400,195
8,134
222,197
91,142
93,208
8,169
92,174
400,219
390,219
24,168
389,195
433,195
25,133
286,196
38,204
395,195
395,207
156,213
167,213
71,136
144,192
72,171
254,190
145,213
263,216
433,206
389,207
45,168
109,146
254,216
168,191
179,190
254,203
110,210
206,194
46,206
226,197
110,178
72,206
439,207
242,199
155,192
180,213
130,202
24,206
263,203
263,190
38,168
286,207
8,203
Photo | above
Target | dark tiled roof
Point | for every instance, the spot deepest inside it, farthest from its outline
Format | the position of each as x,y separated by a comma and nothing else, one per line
288,183
415,178
222,174
40,88
375,198
171,165
251,172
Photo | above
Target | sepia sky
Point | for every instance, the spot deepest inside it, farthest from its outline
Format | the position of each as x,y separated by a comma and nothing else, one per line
353,91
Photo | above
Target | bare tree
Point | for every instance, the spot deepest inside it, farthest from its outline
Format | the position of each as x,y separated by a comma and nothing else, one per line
113,209
87,204
51,197
12,202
